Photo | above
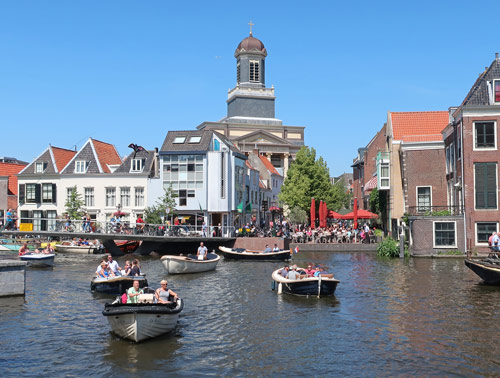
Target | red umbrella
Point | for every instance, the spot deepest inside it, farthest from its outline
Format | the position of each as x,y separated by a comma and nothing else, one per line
313,212
320,213
335,215
361,214
325,214
355,213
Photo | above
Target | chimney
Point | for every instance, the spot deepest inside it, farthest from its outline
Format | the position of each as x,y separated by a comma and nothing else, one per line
496,56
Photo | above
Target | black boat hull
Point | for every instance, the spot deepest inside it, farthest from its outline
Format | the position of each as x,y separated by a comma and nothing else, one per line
487,271
307,288
275,256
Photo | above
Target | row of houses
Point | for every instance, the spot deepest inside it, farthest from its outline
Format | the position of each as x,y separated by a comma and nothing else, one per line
212,180
438,171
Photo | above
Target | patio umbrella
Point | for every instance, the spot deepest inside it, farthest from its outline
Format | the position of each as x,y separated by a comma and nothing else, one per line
313,212
355,213
334,215
324,214
361,214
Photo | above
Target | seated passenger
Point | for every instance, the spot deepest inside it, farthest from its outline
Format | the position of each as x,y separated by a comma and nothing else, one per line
105,272
276,249
267,249
24,249
284,272
133,292
163,294
293,274
127,268
135,270
320,272
310,271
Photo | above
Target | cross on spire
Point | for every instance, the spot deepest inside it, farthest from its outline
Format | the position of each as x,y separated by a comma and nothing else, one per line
251,24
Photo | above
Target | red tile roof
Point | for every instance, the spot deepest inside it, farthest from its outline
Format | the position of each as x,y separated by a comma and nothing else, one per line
62,157
11,170
418,126
268,165
107,154
249,165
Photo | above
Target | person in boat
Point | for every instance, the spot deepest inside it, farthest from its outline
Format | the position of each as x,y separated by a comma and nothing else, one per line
48,249
24,249
320,272
276,248
495,242
133,292
105,271
267,249
284,271
293,274
136,269
163,294
100,265
202,252
127,268
310,271
113,266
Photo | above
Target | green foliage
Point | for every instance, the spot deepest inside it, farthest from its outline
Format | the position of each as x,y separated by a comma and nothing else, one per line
297,215
309,177
388,248
375,201
154,213
74,204
378,232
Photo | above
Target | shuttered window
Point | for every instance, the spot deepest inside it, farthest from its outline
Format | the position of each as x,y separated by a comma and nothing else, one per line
486,185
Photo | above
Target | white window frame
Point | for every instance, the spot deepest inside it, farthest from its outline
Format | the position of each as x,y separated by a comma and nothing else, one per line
195,139
475,233
434,235
113,196
79,164
39,164
136,198
256,77
179,140
474,188
90,195
125,195
416,195
137,165
474,148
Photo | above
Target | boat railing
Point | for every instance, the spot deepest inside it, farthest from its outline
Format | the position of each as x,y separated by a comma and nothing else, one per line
123,227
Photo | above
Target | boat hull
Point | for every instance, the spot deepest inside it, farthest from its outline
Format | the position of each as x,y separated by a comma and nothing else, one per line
116,285
254,256
142,321
189,264
487,271
81,249
311,286
38,259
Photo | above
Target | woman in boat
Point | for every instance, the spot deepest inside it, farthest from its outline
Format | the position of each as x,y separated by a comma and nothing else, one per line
24,249
163,294
127,268
136,269
49,249
105,271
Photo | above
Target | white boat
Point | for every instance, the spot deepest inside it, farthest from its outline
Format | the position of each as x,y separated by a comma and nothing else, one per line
143,320
38,259
248,255
189,263
83,249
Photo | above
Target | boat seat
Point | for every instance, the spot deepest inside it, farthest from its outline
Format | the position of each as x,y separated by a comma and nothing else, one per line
146,298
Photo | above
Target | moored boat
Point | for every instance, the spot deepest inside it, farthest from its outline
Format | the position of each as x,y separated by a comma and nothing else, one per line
82,249
116,285
244,254
143,320
488,269
189,263
38,259
306,286
127,246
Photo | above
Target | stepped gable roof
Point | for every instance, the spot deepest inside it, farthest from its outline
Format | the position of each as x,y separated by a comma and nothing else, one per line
107,154
11,170
478,94
268,165
62,157
418,126
125,167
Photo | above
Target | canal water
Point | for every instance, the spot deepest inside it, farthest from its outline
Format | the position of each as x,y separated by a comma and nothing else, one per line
389,317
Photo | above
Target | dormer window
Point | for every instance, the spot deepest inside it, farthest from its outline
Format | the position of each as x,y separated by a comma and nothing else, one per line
496,88
81,166
137,165
254,71
40,167
179,140
195,139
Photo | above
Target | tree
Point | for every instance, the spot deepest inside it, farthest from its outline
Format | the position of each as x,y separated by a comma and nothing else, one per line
309,177
74,204
297,215
153,214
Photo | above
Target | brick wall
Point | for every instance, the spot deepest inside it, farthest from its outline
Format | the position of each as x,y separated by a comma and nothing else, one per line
422,232
258,244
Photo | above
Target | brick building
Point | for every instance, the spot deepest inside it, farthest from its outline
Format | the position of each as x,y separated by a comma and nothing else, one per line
9,168
473,158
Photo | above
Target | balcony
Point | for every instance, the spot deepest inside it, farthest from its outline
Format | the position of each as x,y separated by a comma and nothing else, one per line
436,211
383,171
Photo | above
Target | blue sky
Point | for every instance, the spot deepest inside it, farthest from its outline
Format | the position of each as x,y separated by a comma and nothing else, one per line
129,71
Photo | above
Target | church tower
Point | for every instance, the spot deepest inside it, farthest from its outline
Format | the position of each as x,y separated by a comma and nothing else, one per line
250,97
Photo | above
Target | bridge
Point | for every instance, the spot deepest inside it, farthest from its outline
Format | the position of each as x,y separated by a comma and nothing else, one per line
160,244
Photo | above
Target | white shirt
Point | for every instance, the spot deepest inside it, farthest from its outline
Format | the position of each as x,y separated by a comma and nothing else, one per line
202,250
113,265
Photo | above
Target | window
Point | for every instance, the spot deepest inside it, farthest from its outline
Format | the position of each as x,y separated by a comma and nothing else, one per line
69,191
137,165
183,172
497,90
222,175
485,185
452,157
125,196
47,193
444,234
182,197
424,202
238,72
459,145
484,231
139,196
195,139
89,197
31,193
81,166
384,175
179,140
110,197
254,71
40,167
485,135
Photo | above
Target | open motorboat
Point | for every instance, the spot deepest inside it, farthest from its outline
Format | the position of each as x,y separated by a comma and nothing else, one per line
82,249
142,320
38,259
116,285
305,286
488,269
189,263
245,254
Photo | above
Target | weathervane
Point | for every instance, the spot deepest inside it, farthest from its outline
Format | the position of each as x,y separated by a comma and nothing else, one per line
251,24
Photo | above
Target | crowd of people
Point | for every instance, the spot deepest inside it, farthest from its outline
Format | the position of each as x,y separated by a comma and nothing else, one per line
25,249
108,267
340,232
294,273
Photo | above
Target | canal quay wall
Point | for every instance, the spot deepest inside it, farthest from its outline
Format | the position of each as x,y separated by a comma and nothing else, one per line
12,278
258,244
422,235
335,247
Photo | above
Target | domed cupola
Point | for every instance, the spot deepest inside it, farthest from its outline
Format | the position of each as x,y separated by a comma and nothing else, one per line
250,45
